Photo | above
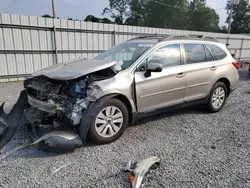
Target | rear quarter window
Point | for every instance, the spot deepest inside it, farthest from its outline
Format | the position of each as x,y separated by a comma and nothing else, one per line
217,52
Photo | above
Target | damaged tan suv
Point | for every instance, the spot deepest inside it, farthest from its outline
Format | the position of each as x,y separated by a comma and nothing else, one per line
64,104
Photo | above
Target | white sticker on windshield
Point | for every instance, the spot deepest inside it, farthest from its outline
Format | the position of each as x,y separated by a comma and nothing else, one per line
145,45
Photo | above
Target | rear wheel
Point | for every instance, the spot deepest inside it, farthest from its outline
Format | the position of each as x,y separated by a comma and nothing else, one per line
217,97
109,122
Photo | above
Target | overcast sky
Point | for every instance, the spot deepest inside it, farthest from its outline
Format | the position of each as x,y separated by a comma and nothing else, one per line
78,9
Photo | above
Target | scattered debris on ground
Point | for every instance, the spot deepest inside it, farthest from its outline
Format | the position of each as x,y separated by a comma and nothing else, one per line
139,170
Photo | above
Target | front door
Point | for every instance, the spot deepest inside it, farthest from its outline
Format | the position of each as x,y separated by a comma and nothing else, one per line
164,88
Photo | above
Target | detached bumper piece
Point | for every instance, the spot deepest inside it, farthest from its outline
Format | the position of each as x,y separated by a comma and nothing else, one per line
10,122
59,141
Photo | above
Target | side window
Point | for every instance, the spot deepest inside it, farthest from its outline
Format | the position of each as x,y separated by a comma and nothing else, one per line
168,55
217,52
209,56
195,53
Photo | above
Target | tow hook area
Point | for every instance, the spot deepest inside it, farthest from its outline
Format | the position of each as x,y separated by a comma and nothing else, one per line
138,171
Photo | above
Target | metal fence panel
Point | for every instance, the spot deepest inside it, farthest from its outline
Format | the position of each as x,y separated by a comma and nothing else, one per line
26,39
21,64
8,39
1,39
27,43
50,40
78,41
234,43
15,19
44,60
35,40
3,65
11,64
17,37
29,63
245,55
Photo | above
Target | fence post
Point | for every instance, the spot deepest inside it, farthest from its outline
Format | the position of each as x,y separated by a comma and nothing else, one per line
114,35
227,42
241,47
55,42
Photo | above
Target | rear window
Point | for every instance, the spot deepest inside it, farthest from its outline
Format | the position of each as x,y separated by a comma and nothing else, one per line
217,52
195,53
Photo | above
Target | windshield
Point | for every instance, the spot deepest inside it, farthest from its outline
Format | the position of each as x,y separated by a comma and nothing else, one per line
127,52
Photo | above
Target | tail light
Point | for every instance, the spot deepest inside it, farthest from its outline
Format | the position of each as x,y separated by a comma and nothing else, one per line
236,65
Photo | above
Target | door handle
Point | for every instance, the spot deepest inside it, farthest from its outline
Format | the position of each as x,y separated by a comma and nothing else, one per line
180,75
213,68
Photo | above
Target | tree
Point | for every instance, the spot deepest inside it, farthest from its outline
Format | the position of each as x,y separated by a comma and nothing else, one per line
91,18
241,17
73,19
46,16
137,13
224,29
178,17
160,13
118,10
177,14
202,18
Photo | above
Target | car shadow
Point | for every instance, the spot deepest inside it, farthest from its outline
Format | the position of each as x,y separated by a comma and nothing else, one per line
149,117
32,152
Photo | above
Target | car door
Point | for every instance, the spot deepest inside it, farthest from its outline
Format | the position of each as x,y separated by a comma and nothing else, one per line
164,88
200,68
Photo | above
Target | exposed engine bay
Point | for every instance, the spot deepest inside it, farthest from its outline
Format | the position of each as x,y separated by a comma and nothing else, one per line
52,105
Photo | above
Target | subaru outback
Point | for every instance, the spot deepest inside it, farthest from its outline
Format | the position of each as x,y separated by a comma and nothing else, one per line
64,104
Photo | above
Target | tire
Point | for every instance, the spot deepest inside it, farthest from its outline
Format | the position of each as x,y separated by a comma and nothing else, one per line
212,106
100,131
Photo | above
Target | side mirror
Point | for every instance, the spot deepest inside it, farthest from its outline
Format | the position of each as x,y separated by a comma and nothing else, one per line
153,67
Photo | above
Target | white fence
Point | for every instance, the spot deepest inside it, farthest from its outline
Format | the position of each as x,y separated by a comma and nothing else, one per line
29,43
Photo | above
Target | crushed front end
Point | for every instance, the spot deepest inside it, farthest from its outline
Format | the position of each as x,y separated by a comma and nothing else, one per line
50,106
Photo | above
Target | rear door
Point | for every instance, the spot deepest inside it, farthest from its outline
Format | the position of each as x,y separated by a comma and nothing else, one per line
200,68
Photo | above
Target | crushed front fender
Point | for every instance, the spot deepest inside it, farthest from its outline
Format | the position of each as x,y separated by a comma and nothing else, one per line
10,122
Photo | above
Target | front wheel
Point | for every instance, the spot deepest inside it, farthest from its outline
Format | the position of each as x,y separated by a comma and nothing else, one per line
217,97
109,122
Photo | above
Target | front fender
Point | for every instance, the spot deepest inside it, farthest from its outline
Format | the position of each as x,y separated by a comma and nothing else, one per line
88,115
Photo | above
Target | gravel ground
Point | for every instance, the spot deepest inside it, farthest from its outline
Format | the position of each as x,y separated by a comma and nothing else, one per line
197,150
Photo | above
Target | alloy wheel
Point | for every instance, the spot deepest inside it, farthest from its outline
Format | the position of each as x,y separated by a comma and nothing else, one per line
109,121
218,97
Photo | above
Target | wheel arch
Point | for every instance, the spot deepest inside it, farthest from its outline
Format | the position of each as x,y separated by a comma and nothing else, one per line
128,105
88,114
226,82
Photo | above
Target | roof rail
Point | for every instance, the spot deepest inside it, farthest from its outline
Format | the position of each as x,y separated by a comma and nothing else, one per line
163,37
153,36
192,37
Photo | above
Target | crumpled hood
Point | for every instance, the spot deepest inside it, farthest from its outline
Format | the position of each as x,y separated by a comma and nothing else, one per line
74,69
